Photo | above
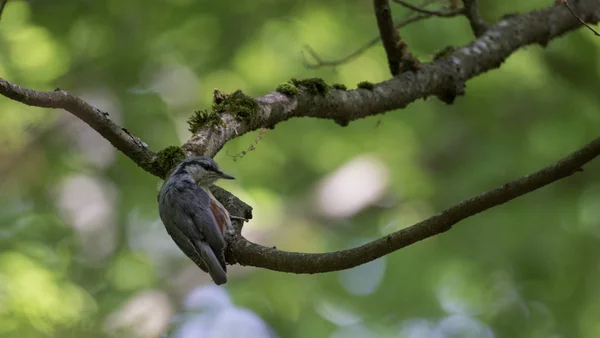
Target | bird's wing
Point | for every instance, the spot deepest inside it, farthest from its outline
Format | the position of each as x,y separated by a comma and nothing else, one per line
204,231
184,243
198,209
195,229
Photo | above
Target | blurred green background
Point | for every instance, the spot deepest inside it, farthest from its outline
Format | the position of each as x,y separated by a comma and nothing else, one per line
83,252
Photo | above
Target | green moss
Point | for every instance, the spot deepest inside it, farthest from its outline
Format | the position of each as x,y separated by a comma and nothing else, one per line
314,86
366,85
237,103
339,86
168,158
202,119
288,89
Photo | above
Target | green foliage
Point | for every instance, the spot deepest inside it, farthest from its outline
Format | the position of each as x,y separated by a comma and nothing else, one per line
168,158
75,261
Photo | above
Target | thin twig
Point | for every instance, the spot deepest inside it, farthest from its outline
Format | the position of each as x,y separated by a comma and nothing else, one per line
566,3
441,13
411,17
330,63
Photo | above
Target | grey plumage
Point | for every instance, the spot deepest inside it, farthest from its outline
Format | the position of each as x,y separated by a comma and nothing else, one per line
184,208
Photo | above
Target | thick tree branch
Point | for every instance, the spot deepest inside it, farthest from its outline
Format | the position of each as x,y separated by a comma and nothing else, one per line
472,13
446,74
248,253
119,137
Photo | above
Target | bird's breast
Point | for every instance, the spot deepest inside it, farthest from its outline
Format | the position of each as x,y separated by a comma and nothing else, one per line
221,215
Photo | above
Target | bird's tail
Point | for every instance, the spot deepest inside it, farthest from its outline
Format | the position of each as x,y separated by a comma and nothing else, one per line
215,269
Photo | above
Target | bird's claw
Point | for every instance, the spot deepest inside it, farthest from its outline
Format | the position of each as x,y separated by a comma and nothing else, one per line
238,218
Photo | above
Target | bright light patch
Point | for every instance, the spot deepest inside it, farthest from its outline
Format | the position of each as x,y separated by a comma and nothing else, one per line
146,314
40,296
177,85
337,314
88,205
353,187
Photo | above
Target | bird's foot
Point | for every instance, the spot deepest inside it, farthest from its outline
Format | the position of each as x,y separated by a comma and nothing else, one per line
238,218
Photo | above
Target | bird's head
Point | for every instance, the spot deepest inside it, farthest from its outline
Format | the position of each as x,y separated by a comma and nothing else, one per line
203,169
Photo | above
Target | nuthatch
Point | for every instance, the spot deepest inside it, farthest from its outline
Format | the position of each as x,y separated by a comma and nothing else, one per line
193,217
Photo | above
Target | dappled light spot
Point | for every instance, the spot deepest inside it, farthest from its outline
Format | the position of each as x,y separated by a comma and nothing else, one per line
462,326
131,271
417,328
19,125
32,295
355,331
459,291
269,217
144,315
589,212
50,60
209,297
92,147
176,84
337,313
87,204
90,40
364,279
210,313
356,185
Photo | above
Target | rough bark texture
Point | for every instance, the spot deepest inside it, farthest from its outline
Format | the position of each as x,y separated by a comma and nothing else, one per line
445,74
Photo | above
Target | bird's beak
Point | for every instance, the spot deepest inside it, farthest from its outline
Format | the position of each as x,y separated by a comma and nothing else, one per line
225,176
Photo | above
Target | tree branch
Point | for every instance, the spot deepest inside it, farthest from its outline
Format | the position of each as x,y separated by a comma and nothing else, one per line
399,59
483,54
566,3
477,24
444,75
119,137
440,13
329,63
406,20
248,253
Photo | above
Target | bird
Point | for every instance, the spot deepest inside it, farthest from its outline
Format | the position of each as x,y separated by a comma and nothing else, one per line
193,217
